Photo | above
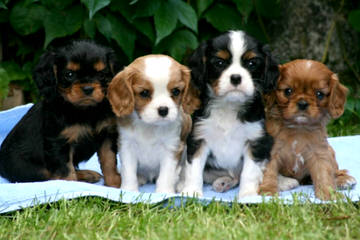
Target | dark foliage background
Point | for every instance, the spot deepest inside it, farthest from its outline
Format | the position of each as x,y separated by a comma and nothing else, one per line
175,27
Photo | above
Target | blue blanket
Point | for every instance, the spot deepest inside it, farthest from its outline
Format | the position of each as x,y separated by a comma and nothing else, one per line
14,196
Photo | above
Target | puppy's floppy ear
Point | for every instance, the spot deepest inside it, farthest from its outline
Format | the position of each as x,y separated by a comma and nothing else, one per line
337,97
45,75
190,100
120,93
112,62
271,71
197,64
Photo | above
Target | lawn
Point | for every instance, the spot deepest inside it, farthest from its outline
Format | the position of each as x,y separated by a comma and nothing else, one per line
96,218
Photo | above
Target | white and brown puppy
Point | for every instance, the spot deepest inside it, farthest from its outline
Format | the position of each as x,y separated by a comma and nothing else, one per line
229,140
152,100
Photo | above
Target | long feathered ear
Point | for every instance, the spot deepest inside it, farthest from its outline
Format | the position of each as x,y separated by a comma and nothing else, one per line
120,93
44,75
271,72
190,99
337,99
113,62
197,64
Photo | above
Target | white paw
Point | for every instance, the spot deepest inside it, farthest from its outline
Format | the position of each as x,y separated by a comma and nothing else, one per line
247,193
165,190
129,188
286,183
192,192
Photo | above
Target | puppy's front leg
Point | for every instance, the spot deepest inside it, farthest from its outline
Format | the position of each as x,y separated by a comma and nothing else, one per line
193,184
107,158
128,169
250,177
269,183
168,175
323,174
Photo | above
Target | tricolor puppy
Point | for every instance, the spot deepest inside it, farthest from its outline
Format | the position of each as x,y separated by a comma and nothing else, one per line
232,71
307,97
152,100
72,122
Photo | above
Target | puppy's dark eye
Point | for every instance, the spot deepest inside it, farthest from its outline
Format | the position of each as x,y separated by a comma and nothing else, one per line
252,63
288,92
145,93
175,92
69,75
320,95
219,62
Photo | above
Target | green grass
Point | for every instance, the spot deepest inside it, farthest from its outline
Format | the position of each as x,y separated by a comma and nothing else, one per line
96,218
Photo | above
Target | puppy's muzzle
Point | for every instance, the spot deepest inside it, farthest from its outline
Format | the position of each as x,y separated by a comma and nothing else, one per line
235,79
163,111
302,105
88,90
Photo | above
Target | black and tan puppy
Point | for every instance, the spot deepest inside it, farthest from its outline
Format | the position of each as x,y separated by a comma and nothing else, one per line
72,122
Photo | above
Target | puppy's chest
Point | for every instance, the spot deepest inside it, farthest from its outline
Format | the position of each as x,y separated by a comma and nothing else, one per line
150,143
226,136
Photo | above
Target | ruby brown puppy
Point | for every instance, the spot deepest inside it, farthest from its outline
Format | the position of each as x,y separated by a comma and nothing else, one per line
152,100
308,95
73,121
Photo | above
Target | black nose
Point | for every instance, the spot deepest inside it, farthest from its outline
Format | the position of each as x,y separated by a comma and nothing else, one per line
235,79
88,90
163,111
302,104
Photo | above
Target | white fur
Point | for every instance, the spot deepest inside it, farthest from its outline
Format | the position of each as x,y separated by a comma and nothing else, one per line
149,144
157,71
246,87
226,137
286,183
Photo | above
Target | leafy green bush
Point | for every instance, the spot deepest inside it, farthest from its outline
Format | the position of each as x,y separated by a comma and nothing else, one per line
132,28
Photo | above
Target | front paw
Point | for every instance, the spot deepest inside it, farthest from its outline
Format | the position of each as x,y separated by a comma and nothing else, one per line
169,190
247,193
192,192
132,188
113,181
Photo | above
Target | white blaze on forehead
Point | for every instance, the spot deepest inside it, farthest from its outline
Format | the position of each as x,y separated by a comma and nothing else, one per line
157,69
237,45
308,64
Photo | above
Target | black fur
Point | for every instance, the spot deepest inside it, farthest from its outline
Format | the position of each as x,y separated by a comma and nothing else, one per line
204,72
35,146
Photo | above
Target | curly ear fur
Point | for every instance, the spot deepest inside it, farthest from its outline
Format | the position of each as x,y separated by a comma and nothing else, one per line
120,93
271,73
198,67
44,75
337,100
190,99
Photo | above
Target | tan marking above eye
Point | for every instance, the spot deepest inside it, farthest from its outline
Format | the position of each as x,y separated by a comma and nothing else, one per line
99,66
73,66
223,54
249,55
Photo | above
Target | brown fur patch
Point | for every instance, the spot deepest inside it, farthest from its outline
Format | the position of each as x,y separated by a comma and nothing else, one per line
88,176
107,124
76,95
224,54
99,66
75,132
249,55
108,162
301,149
73,66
